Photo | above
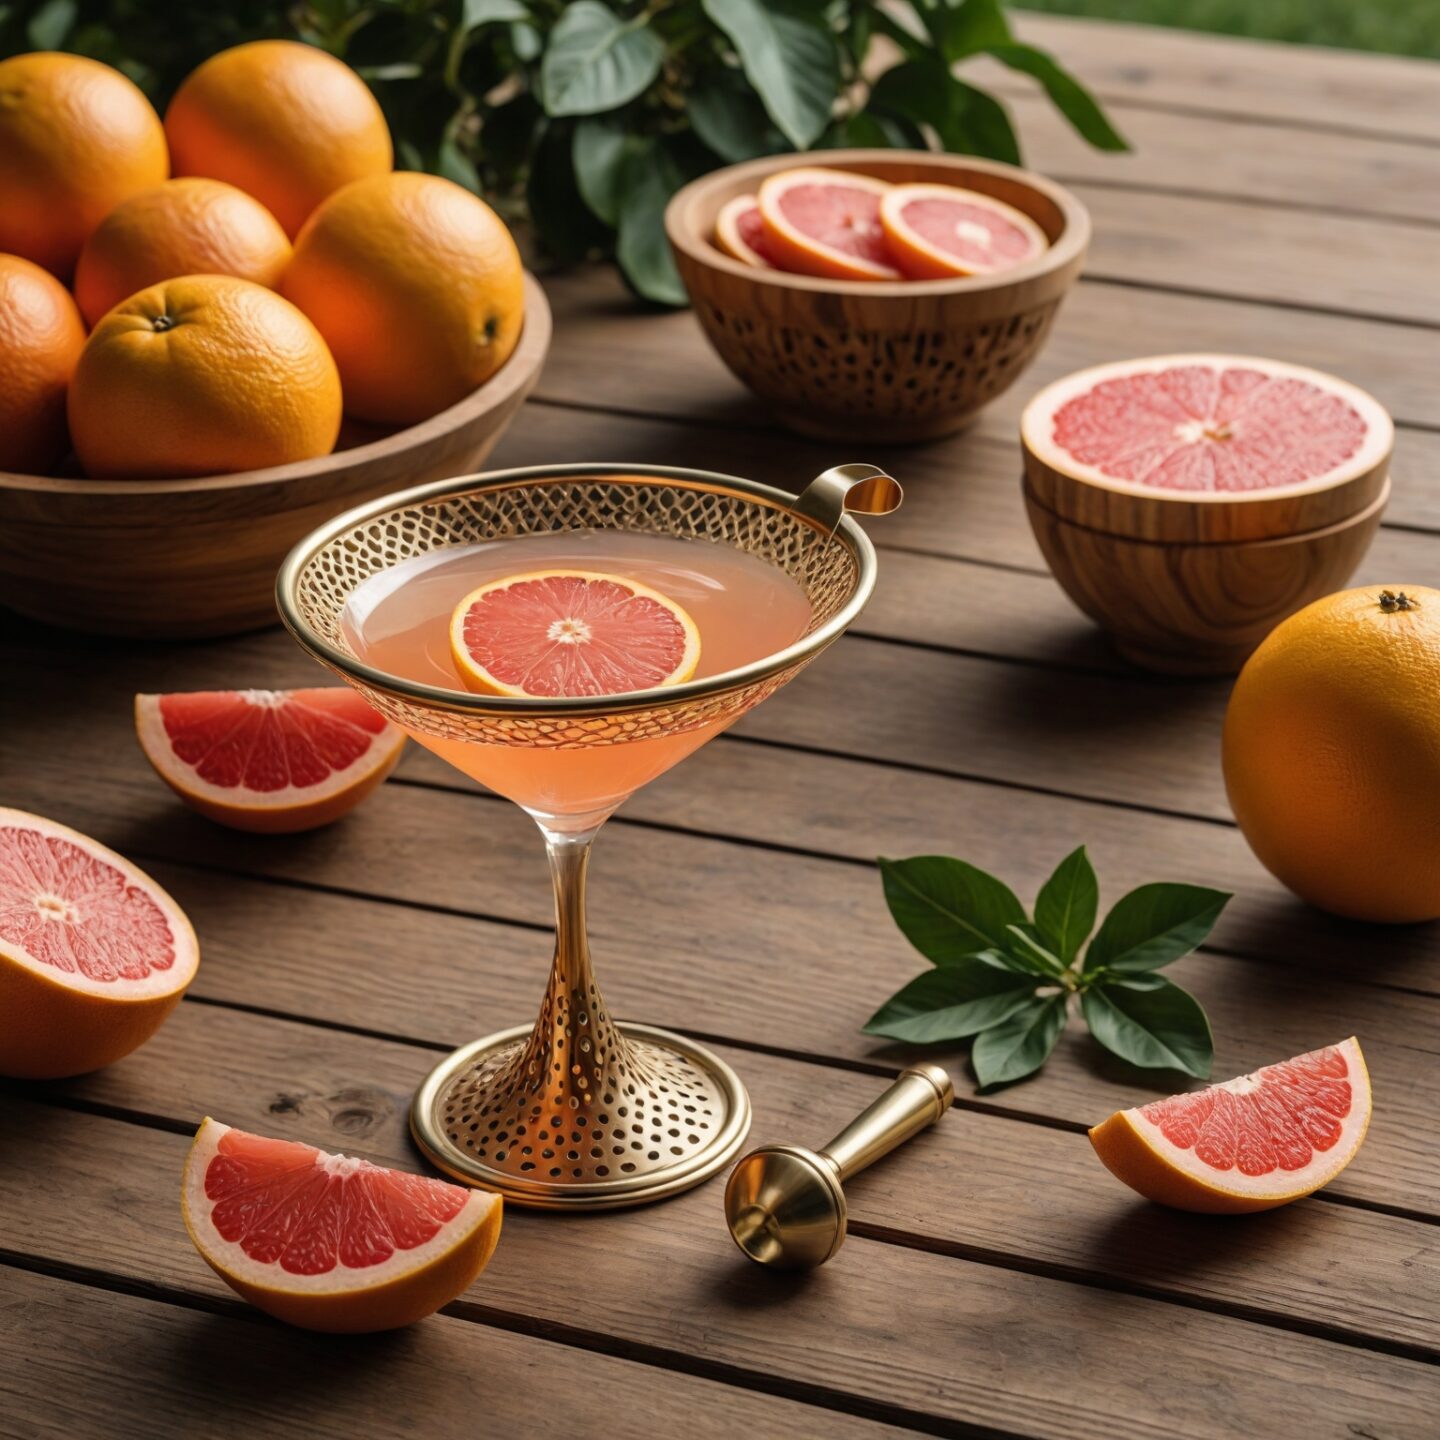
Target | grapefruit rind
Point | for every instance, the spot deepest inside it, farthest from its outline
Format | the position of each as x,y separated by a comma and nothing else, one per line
284,811
57,1023
1037,424
407,1287
1137,1152
802,253
918,258
727,233
480,681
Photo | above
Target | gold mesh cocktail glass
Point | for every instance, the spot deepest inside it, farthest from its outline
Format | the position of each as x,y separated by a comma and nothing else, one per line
578,1110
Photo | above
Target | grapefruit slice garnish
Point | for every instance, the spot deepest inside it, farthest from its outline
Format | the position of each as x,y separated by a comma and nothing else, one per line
1248,1144
554,633
1207,426
93,953
936,232
268,760
826,223
740,233
329,1242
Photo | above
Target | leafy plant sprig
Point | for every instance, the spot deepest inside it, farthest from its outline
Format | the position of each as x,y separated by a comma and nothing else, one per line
589,115
1008,979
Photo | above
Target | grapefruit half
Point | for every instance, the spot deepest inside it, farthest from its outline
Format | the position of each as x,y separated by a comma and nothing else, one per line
553,633
268,760
740,233
1251,1143
826,223
1147,447
93,953
938,232
328,1242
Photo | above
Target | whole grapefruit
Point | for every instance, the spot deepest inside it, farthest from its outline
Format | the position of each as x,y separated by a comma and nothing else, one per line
417,288
204,375
183,227
1332,753
76,138
287,123
41,336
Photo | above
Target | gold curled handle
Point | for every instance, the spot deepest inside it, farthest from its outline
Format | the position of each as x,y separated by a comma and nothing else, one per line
918,1098
861,489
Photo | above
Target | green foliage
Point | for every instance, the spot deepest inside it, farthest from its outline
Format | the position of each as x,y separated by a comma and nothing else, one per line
1007,980
587,116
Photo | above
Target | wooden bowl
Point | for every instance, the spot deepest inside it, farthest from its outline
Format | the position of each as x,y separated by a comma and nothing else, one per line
173,559
1189,608
891,361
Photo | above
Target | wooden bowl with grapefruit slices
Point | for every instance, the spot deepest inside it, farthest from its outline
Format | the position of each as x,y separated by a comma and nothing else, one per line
877,294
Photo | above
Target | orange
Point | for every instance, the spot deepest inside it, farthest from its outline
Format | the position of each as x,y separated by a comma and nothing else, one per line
826,223
287,123
183,227
76,138
93,953
1248,1144
1332,753
416,286
274,761
205,375
331,1242
41,336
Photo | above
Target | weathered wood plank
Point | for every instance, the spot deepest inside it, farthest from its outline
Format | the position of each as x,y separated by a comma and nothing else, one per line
78,1362
958,1359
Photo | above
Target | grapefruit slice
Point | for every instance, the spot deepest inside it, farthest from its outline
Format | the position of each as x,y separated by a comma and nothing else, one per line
553,633
827,223
1252,1143
268,760
1210,447
936,232
740,233
93,953
328,1242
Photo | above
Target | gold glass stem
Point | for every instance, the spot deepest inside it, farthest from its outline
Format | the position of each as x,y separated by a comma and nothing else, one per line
918,1098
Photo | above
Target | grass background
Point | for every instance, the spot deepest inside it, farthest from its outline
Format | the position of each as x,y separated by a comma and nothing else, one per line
1399,27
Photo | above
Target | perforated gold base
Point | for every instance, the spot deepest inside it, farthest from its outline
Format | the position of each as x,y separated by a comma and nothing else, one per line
649,1115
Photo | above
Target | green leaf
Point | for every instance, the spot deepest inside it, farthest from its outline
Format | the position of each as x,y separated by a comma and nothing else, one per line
489,12
1150,1021
564,222
601,144
1152,926
51,23
648,178
869,131
596,61
948,909
790,60
951,1002
1030,953
526,41
1019,1045
1071,98
397,70
1066,905
964,119
454,164
969,28
729,119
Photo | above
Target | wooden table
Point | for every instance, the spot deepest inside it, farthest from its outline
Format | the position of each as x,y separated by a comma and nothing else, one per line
997,1281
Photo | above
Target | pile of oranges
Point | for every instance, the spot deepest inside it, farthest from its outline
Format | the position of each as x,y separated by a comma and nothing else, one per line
224,319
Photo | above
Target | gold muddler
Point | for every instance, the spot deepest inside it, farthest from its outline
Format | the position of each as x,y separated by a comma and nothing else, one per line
784,1203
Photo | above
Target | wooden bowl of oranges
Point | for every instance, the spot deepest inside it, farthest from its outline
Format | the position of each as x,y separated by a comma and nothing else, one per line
219,330
877,294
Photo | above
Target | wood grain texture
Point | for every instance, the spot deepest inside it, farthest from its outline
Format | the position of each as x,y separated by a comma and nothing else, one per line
185,558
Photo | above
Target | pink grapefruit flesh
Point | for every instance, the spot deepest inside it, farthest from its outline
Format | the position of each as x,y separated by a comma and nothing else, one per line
826,223
93,953
331,1242
740,233
1251,1143
1207,425
268,760
555,633
937,232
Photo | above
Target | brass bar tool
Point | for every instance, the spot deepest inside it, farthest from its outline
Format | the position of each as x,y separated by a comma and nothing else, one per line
784,1204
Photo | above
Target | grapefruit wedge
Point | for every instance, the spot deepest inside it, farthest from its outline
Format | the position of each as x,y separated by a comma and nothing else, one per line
328,1242
938,232
740,233
826,223
552,633
93,953
268,760
1251,1143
